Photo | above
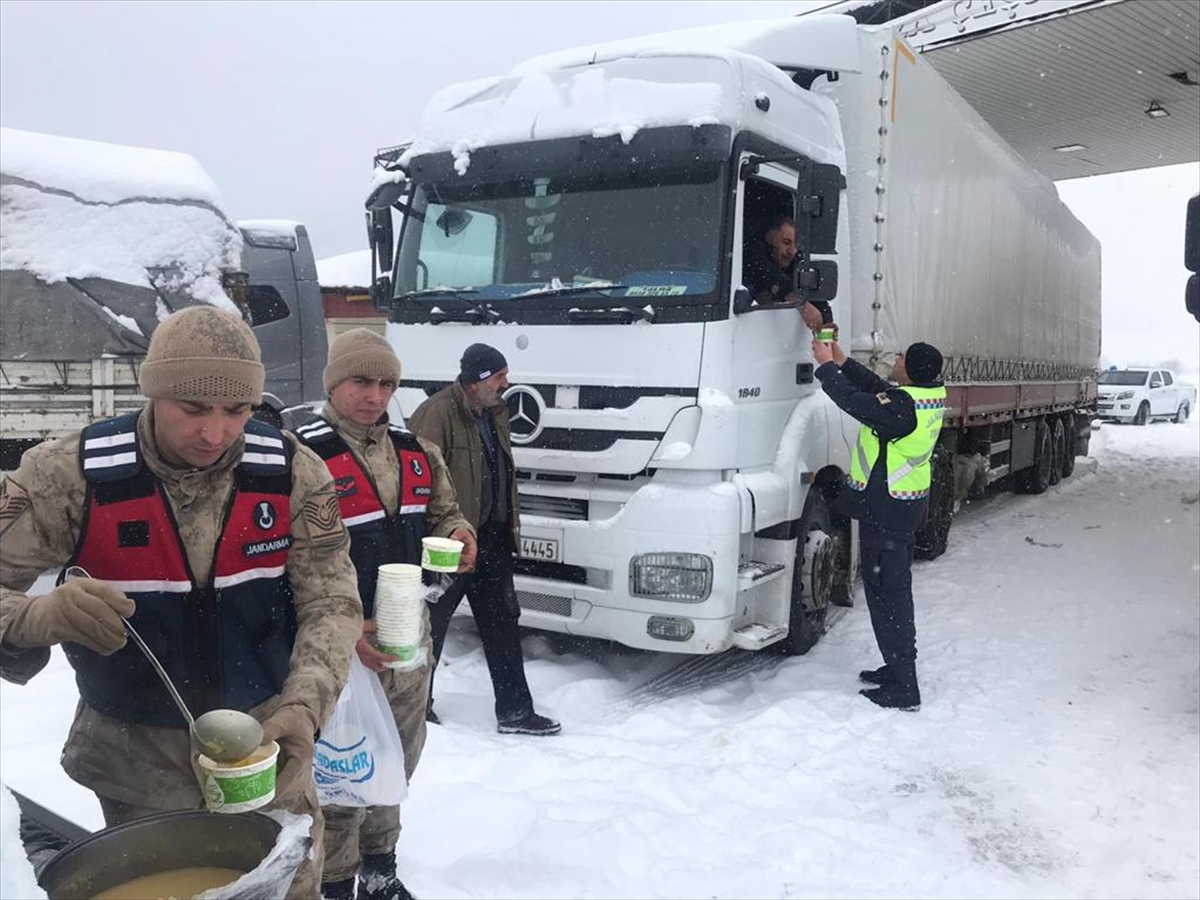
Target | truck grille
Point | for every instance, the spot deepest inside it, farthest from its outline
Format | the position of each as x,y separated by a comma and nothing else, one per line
554,507
545,603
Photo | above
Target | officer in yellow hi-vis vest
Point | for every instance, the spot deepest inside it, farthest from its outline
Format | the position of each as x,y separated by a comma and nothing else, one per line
887,490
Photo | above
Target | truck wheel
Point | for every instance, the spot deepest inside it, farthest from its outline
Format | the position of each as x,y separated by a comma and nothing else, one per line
1070,445
1058,449
934,535
820,575
1143,414
1036,478
1181,414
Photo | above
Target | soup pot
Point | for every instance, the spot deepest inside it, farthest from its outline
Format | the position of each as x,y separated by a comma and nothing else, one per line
160,843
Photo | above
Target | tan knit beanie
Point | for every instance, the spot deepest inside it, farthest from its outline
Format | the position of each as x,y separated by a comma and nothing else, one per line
205,355
360,351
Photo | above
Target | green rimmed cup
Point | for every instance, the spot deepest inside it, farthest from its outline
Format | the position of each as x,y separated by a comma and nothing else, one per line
828,335
440,554
239,789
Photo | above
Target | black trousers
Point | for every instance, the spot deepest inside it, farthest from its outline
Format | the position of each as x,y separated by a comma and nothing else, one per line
489,589
887,576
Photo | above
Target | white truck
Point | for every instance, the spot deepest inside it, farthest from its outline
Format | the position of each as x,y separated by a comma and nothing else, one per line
1141,395
99,242
588,216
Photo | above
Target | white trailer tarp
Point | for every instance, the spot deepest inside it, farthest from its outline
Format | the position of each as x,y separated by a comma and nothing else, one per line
979,256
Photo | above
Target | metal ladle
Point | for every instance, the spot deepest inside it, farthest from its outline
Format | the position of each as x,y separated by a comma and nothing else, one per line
224,735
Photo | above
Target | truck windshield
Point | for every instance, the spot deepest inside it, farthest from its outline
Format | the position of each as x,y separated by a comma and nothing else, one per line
1124,377
555,239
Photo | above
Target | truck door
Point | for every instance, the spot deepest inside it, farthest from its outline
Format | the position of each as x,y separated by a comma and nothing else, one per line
1160,400
274,311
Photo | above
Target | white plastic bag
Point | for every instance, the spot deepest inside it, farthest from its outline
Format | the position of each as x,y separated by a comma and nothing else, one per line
359,760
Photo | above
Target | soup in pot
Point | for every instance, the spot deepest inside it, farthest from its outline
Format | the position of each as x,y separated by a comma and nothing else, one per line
174,884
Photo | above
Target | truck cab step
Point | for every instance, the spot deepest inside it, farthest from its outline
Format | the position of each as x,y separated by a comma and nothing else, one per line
753,573
757,635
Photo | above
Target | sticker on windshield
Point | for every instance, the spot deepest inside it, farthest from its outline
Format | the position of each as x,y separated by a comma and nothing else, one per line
656,290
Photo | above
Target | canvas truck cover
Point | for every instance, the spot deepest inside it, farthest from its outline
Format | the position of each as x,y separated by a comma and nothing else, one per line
100,242
978,254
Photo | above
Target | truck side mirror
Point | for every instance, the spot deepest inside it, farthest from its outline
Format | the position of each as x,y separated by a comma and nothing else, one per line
1191,256
816,279
381,292
379,224
818,196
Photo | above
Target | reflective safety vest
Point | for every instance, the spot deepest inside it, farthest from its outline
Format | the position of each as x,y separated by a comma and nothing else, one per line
375,538
908,470
227,645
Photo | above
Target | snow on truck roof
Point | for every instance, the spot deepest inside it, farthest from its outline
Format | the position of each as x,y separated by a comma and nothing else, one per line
75,209
694,77
812,42
103,173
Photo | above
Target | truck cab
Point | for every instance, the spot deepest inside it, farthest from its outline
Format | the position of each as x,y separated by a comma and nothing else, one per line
284,307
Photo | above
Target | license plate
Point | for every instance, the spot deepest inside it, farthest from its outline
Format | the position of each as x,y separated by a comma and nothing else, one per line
544,549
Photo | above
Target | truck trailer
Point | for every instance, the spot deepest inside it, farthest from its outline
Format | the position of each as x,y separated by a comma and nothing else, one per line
589,215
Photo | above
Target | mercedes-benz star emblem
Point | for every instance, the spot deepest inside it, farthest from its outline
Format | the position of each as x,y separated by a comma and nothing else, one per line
525,408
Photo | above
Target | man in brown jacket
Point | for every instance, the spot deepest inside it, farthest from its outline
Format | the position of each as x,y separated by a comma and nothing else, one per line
469,422
393,489
219,538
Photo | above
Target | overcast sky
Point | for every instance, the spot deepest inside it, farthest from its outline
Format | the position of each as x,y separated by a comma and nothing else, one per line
285,103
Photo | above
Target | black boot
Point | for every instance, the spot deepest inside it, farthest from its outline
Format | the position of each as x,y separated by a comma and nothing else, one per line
377,879
900,693
338,890
882,675
528,723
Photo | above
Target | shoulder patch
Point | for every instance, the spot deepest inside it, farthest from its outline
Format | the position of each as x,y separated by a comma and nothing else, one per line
13,504
883,398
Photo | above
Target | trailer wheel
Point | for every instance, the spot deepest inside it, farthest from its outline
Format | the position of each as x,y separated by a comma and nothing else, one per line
1058,449
934,535
1071,444
820,576
1036,478
1143,414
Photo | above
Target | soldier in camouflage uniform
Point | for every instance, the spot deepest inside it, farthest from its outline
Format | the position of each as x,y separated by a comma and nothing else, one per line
393,489
220,539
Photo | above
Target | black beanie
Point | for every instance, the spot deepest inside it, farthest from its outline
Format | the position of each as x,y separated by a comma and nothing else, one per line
923,363
479,361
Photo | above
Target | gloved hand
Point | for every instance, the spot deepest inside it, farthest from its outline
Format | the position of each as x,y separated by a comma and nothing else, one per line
82,610
294,729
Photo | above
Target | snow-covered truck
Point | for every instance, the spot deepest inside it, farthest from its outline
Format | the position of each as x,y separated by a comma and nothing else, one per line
588,215
100,242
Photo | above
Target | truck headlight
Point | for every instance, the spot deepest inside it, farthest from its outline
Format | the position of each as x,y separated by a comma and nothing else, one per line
1125,395
671,576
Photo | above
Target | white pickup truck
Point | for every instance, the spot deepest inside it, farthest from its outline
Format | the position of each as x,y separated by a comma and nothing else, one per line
1141,395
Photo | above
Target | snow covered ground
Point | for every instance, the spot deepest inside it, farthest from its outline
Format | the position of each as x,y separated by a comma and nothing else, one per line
1057,753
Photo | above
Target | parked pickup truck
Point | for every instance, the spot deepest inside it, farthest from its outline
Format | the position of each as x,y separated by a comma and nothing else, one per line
1140,395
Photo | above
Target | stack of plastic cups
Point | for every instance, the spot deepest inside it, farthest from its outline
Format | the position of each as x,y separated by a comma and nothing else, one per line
398,614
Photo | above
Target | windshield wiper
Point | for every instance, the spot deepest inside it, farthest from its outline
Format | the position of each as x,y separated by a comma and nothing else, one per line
621,315
436,292
565,289
483,314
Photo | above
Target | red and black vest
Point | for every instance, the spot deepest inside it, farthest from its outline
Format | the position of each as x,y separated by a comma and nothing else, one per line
227,645
375,537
